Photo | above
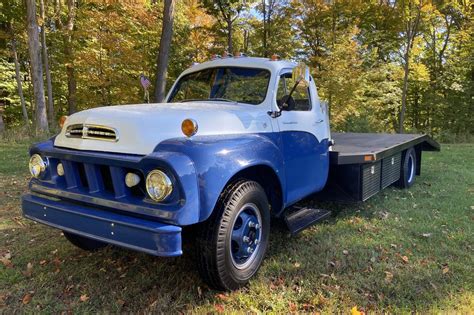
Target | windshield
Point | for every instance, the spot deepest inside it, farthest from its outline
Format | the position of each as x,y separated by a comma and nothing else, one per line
229,84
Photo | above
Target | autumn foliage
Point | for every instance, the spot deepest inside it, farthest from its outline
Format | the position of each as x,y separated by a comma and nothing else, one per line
360,52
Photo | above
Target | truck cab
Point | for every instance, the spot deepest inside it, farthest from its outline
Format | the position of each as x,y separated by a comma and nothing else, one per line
238,140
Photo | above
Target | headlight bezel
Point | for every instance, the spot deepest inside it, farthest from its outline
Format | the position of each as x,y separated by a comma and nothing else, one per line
40,163
167,185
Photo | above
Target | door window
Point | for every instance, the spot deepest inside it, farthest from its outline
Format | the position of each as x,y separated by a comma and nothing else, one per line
300,95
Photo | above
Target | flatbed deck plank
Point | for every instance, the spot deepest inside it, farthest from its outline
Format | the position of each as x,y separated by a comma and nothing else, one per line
350,148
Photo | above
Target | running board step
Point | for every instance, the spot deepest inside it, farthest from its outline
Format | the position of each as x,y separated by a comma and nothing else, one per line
298,219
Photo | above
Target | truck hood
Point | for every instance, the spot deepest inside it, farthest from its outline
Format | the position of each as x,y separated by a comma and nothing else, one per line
140,128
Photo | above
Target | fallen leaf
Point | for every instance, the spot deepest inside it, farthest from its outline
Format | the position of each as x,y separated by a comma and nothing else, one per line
426,234
6,262
345,252
219,308
121,302
297,264
388,276
355,311
292,307
84,298
405,259
26,299
199,291
445,270
393,245
43,262
223,297
29,270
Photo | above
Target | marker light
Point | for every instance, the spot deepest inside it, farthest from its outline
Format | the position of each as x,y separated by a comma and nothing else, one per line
62,121
37,165
158,185
189,127
60,169
132,179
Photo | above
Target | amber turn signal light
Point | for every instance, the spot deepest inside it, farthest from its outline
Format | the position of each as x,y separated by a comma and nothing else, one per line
189,127
62,120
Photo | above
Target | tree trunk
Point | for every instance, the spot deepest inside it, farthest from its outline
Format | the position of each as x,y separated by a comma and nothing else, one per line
230,48
36,66
411,30
2,124
18,81
406,70
163,53
49,86
264,12
69,54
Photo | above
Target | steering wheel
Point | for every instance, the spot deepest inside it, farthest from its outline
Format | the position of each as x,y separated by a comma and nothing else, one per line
287,102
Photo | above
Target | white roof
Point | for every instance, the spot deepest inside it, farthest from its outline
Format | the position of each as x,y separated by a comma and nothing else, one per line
251,62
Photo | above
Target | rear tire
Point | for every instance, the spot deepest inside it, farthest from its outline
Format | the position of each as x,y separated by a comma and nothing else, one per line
408,169
84,243
232,243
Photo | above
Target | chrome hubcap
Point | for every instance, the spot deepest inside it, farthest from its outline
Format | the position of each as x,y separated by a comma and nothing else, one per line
246,236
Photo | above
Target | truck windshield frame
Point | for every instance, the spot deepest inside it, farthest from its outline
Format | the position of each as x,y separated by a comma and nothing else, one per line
223,84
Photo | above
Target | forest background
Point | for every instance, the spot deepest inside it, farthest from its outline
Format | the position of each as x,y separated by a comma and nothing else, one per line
383,66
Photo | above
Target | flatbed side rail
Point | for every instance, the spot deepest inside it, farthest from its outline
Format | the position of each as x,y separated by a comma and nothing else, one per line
361,148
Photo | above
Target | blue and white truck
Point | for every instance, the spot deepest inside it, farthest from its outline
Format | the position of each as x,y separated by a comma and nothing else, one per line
239,140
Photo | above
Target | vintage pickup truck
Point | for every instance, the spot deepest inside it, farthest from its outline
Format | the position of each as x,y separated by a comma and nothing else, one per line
238,140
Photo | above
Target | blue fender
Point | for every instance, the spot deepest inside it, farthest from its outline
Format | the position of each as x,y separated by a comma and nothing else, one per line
218,158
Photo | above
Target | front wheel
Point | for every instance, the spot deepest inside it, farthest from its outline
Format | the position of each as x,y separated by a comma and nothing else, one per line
232,242
84,243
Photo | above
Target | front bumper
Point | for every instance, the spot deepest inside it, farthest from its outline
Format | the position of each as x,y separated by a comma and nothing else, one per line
130,232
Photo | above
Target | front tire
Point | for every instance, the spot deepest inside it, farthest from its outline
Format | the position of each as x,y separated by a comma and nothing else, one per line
84,243
232,243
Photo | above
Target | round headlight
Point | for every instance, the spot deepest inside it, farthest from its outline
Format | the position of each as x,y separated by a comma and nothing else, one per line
158,185
37,165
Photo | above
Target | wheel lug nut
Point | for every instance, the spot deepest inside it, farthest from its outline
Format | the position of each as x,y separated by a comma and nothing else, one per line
251,224
256,242
257,226
250,250
246,239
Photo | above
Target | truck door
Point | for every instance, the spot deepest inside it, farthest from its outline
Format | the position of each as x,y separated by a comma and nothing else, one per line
304,137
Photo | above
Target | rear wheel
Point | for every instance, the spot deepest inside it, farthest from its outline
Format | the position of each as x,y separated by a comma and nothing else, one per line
84,243
408,169
232,242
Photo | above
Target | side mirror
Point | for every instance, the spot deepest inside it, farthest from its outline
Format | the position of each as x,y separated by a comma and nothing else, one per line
301,74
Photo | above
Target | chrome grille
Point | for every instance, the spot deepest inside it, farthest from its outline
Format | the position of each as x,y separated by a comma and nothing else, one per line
97,132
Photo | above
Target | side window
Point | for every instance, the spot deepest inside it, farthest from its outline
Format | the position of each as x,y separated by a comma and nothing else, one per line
300,95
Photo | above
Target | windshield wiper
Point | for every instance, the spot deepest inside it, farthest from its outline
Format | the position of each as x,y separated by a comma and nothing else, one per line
218,99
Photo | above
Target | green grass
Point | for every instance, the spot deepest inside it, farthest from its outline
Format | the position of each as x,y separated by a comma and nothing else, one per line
403,250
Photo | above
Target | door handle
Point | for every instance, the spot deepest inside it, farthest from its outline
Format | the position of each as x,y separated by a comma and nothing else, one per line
318,122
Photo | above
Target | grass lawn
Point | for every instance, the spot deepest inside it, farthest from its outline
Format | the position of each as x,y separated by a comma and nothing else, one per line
402,250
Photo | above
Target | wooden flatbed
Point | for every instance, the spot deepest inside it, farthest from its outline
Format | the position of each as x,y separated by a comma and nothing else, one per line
356,148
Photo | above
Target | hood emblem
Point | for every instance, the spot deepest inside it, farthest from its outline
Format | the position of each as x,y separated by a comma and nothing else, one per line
95,132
